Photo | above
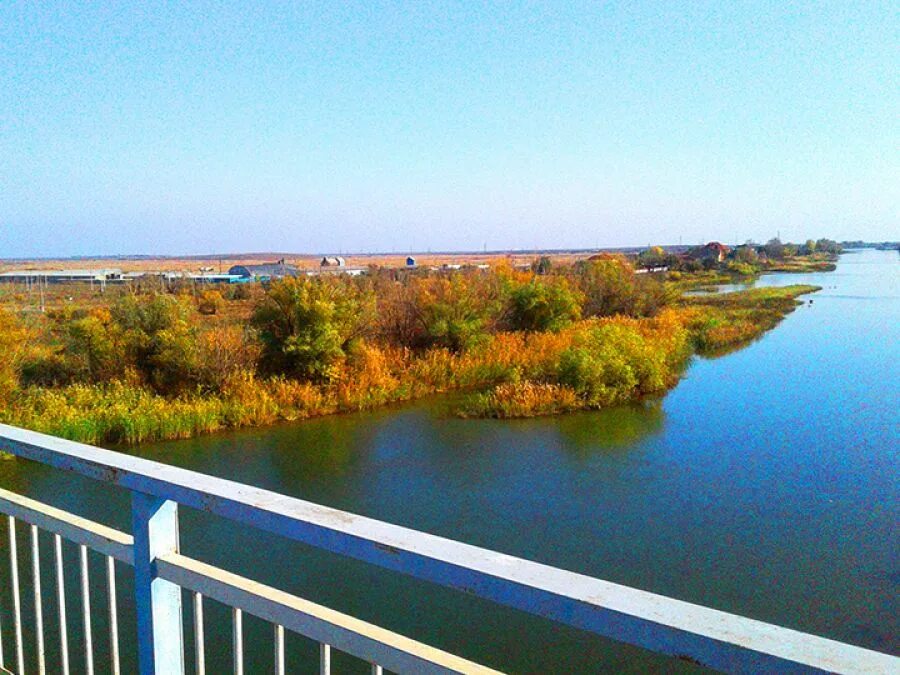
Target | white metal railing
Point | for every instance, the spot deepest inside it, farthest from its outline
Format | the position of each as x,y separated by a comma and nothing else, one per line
284,610
665,625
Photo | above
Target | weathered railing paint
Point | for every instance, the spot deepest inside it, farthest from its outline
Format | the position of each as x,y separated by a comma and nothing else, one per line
710,637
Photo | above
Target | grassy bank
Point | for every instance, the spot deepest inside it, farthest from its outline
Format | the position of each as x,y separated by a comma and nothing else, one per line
723,322
590,364
803,266
618,362
139,365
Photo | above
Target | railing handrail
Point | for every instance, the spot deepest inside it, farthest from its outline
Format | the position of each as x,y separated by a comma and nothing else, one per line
314,621
662,624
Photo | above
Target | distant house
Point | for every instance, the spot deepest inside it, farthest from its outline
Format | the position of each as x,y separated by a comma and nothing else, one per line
713,251
410,261
333,261
265,271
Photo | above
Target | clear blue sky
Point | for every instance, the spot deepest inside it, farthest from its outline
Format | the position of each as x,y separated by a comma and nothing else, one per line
211,127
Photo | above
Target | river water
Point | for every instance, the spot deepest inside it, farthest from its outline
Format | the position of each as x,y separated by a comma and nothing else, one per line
765,484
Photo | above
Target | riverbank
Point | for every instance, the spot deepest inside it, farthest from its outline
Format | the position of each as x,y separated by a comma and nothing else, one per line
591,363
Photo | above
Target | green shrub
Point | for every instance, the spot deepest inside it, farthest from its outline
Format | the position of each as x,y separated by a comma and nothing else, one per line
95,348
615,364
305,325
544,305
160,339
455,317
48,369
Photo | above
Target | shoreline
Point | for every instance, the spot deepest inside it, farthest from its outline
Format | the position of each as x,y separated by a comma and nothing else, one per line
124,414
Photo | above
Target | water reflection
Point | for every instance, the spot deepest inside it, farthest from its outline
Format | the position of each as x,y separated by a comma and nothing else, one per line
621,428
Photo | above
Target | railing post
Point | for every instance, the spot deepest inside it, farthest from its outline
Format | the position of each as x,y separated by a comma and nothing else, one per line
158,602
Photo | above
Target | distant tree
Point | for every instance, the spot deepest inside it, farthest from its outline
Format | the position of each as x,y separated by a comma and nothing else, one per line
542,265
399,319
456,315
828,246
655,256
95,348
746,254
609,287
774,248
225,352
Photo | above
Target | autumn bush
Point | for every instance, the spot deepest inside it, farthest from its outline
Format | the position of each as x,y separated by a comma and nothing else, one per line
306,324
610,286
13,338
545,304
210,302
223,352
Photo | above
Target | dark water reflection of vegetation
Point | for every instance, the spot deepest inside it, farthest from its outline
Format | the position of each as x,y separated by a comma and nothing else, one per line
764,484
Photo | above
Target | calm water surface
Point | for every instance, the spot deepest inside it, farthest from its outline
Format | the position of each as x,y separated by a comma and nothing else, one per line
765,484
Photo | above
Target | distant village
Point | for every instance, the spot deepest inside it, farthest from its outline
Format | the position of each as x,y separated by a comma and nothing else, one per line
649,260
242,273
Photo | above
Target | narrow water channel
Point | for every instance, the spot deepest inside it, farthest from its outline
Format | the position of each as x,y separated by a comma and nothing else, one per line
765,484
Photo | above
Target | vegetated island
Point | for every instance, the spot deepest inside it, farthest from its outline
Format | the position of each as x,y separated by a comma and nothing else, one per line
159,360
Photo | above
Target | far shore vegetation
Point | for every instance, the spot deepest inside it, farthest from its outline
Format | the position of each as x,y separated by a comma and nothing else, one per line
148,363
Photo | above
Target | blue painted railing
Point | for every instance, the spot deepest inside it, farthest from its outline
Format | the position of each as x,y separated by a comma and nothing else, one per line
710,637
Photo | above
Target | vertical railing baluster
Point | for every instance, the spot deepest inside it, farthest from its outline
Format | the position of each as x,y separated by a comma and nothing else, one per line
2,662
113,614
38,600
199,649
238,640
279,650
377,670
17,603
86,610
324,659
157,601
61,604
